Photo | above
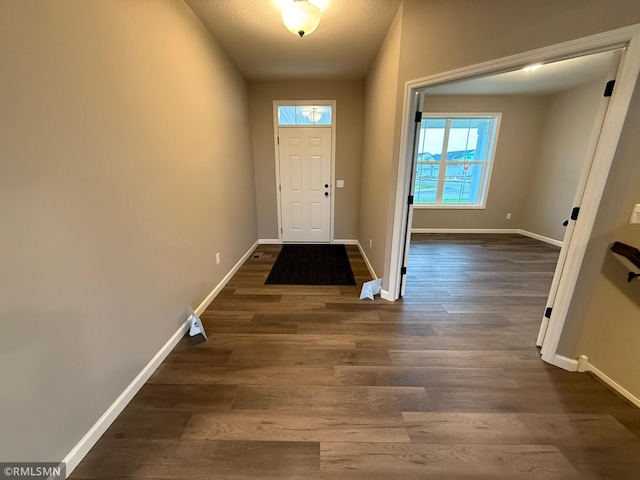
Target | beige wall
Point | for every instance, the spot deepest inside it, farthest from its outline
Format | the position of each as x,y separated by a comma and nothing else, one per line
348,95
514,162
379,127
125,165
560,159
604,319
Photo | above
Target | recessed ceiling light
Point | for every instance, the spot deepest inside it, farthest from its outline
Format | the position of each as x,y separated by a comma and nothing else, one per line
532,68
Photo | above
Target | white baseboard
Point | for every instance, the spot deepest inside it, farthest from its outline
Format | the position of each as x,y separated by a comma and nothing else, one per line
372,272
568,364
207,301
275,241
526,233
614,385
97,430
542,238
384,294
104,422
465,230
583,365
269,241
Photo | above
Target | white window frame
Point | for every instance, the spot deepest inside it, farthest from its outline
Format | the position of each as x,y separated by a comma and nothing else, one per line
488,162
326,104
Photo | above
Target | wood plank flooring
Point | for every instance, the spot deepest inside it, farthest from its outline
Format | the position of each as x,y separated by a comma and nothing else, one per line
312,383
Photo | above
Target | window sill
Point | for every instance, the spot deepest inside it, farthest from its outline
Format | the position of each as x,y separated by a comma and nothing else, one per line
449,207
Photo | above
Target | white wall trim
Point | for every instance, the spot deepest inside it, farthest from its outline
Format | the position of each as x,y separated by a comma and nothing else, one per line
568,364
384,294
583,365
526,233
613,384
104,422
366,261
465,230
95,432
275,241
346,241
270,241
584,45
594,188
542,238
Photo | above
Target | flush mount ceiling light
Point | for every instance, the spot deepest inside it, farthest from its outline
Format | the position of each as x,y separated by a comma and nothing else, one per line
313,113
301,17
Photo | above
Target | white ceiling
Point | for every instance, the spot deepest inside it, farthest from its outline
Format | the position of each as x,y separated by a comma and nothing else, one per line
343,46
551,78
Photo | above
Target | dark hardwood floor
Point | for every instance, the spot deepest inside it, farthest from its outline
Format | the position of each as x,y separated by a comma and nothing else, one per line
312,383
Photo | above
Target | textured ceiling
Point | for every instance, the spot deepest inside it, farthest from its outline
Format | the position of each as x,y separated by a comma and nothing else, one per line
343,46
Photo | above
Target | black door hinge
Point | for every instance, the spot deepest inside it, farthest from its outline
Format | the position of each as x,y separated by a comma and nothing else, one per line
547,312
608,89
418,117
410,200
574,213
403,271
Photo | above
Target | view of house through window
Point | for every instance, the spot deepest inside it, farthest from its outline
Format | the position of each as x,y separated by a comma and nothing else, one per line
454,159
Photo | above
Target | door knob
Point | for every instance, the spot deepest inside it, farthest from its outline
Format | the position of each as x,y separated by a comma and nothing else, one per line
326,194
565,223
326,185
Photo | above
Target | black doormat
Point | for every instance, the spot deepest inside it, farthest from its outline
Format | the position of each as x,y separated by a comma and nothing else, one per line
312,265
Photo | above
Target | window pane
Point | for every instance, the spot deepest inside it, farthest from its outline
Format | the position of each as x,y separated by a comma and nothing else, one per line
431,139
313,115
304,115
426,183
468,139
462,184
469,146
286,115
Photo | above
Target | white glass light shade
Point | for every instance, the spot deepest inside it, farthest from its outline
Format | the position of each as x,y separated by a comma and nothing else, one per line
301,17
313,113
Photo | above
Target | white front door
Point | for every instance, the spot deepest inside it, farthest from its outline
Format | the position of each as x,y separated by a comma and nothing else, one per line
305,183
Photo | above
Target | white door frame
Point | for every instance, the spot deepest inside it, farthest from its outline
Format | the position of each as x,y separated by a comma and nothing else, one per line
605,150
332,189
601,112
